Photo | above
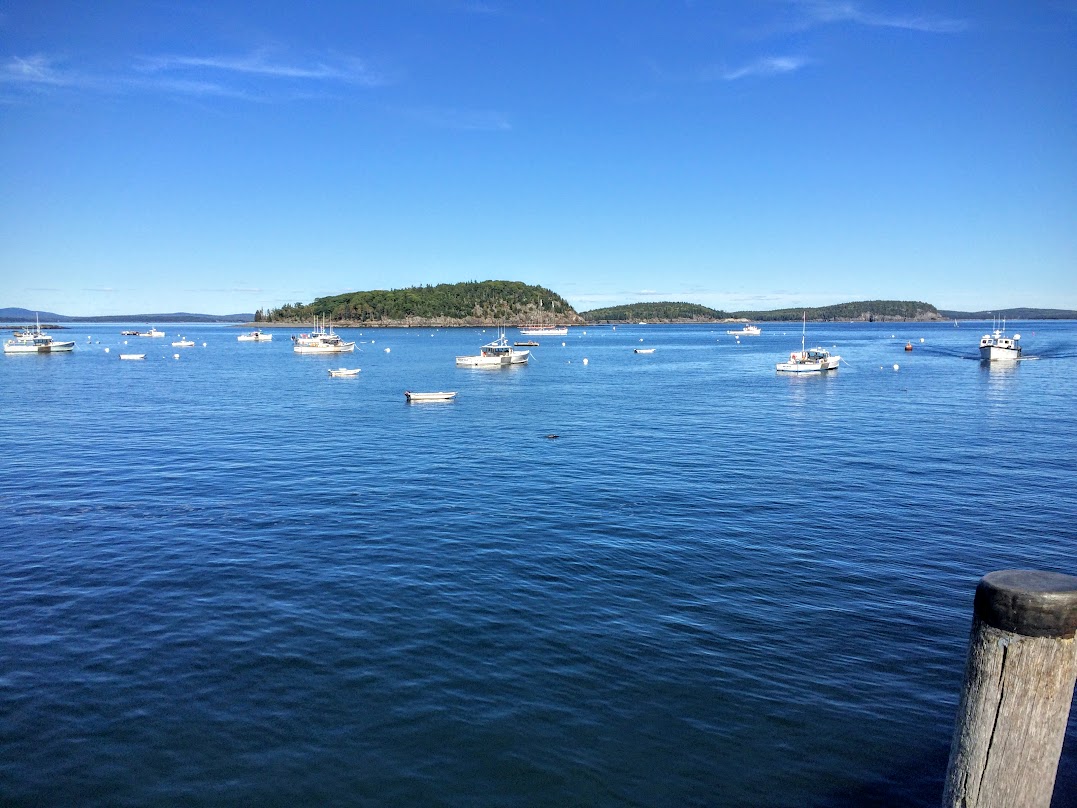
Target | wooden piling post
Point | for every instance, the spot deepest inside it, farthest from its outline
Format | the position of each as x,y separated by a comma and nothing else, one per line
1015,702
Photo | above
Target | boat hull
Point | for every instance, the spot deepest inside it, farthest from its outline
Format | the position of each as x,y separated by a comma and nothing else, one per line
347,347
480,361
55,347
544,332
993,353
422,397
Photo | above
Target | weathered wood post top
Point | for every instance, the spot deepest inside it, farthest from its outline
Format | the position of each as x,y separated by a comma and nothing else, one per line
1029,603
1015,702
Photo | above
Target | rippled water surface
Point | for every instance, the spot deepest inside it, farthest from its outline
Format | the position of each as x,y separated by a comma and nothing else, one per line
231,579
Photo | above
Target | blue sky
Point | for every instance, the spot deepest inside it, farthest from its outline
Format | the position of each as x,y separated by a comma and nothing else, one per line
224,156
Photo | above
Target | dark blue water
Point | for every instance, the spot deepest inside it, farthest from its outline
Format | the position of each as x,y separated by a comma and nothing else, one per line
231,579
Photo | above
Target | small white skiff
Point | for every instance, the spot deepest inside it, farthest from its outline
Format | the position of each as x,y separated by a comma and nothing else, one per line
419,397
342,373
132,356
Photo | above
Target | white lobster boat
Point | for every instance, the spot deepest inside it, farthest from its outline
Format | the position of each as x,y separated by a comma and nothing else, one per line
748,331
321,341
811,360
495,354
255,336
996,347
34,340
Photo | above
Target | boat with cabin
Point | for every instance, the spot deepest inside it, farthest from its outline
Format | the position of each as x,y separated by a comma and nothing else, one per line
183,342
321,341
749,330
34,340
255,336
495,354
153,332
997,347
810,360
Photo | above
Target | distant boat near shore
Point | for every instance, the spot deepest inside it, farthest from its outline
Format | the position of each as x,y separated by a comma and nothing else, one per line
544,330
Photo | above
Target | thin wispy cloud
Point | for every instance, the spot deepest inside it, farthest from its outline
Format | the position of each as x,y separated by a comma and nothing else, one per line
252,77
839,11
766,66
38,69
348,70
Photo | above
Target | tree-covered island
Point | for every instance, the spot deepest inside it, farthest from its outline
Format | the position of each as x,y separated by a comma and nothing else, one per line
473,303
512,303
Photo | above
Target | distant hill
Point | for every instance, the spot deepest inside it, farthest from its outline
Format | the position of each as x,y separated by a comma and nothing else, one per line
1011,314
447,304
663,312
16,315
27,316
866,311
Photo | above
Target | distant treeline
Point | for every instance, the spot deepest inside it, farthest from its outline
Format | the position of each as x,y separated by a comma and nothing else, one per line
509,302
865,311
654,312
1011,314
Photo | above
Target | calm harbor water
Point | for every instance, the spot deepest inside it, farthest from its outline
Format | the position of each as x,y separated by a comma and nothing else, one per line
231,579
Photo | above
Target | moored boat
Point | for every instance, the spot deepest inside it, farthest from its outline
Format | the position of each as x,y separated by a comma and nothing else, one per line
255,336
997,347
543,330
495,354
643,350
183,342
132,356
811,360
321,341
153,332
749,330
344,372
421,397
34,340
